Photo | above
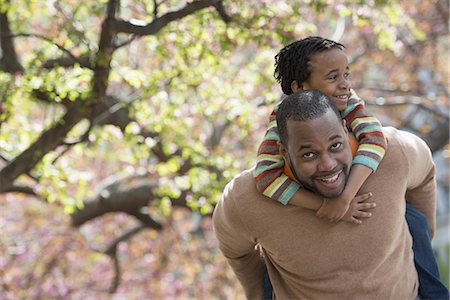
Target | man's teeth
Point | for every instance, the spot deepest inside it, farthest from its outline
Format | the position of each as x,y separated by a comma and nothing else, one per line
331,179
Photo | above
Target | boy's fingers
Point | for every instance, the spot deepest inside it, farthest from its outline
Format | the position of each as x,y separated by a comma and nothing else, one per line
363,206
356,221
364,197
362,214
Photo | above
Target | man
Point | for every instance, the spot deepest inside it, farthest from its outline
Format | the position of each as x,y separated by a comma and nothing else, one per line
309,258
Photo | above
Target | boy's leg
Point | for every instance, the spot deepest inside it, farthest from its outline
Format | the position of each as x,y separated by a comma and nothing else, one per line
267,286
430,285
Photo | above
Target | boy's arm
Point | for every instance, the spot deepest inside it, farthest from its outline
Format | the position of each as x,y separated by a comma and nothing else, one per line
368,131
268,173
334,209
372,146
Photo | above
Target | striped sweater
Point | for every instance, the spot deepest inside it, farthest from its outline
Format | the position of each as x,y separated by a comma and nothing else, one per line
269,175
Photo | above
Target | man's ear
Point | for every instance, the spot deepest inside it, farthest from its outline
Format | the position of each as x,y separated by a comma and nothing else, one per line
283,150
295,87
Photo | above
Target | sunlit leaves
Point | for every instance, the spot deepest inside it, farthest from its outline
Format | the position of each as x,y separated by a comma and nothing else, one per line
134,78
12,140
195,86
60,84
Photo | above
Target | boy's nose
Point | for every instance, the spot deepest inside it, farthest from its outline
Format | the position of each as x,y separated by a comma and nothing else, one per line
345,83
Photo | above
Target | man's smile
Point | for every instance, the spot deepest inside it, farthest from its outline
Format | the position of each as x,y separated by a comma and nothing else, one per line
331,181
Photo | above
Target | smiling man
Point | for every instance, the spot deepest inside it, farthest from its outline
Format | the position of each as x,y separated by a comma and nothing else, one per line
309,258
321,159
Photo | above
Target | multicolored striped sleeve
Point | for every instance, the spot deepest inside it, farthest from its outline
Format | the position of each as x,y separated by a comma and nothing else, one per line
367,130
269,176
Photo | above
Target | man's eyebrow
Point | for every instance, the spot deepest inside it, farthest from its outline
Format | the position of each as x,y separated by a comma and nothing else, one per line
333,137
304,146
310,145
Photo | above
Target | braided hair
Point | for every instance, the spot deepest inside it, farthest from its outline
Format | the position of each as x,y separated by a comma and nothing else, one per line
292,62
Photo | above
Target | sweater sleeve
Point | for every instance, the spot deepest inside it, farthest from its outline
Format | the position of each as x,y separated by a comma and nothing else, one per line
269,176
367,130
237,245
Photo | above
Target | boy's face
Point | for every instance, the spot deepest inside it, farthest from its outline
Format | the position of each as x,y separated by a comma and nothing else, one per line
330,75
319,154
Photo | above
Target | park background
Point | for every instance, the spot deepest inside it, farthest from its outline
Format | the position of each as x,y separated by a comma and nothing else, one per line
121,122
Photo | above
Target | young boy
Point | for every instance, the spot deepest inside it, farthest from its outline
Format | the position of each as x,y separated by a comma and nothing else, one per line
321,64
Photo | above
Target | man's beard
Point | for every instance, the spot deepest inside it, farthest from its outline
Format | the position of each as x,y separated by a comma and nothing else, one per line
312,187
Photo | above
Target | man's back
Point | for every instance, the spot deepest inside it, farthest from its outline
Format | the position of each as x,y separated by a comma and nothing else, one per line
313,259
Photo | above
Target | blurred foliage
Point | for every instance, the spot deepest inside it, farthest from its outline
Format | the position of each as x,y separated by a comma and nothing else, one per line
199,91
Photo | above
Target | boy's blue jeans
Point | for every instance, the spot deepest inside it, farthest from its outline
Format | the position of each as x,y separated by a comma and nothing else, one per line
430,285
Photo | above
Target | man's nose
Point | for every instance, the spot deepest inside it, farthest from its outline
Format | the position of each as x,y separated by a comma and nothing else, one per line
326,163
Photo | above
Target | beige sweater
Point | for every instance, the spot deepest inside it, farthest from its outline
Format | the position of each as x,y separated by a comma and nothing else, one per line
309,258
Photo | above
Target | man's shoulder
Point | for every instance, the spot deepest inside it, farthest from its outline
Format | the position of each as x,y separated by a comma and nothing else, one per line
237,199
242,183
406,146
404,139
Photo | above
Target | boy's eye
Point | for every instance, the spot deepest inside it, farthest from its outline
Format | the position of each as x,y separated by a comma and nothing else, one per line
336,146
347,75
332,77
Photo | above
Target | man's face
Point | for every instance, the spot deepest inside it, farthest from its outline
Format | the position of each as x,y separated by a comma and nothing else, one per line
319,154
330,75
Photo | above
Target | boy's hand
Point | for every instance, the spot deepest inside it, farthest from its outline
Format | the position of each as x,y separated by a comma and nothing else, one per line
358,209
333,209
352,211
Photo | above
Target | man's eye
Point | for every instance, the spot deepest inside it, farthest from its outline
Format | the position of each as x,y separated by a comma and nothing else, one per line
336,146
308,155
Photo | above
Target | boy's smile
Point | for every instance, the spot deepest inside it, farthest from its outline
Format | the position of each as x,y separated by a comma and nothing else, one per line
330,75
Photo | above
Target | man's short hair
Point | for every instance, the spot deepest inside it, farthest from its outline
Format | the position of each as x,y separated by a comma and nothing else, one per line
292,62
303,106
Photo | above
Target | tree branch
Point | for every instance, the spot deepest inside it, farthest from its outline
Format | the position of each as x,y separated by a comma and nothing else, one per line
127,195
147,220
410,100
222,13
67,62
9,61
46,142
103,58
22,189
117,274
82,62
111,251
54,137
158,23
438,136
155,8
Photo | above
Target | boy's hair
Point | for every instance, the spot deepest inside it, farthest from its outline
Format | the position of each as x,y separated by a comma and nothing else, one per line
292,62
303,106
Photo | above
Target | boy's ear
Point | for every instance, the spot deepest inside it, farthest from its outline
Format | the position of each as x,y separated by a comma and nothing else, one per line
295,87
344,124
